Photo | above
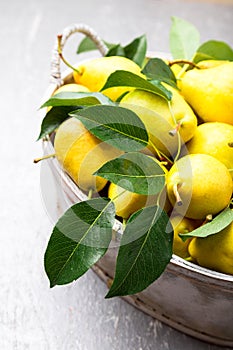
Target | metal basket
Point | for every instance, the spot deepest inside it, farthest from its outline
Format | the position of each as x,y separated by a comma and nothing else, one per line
187,297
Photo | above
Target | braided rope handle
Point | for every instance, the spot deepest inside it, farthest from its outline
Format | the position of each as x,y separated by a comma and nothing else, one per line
55,75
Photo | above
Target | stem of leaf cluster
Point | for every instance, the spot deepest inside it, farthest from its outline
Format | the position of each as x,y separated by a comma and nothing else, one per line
158,198
59,50
90,193
176,131
118,195
182,71
124,222
160,154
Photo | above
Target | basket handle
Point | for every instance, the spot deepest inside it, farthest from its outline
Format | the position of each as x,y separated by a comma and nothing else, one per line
55,75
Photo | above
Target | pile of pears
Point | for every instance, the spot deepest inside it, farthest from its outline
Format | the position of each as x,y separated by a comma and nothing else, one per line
193,140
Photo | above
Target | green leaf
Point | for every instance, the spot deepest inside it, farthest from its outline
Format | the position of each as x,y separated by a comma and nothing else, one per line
79,239
156,69
125,78
118,126
220,221
136,50
145,250
136,172
87,44
184,39
68,98
214,50
116,50
53,118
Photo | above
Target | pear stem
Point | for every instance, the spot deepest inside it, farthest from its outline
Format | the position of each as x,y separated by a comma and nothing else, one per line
37,160
179,201
230,144
59,50
174,131
208,218
189,258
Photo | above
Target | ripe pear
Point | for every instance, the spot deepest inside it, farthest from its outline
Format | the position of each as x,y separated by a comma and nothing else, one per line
210,92
80,153
215,251
72,87
199,185
126,202
183,225
214,138
205,64
94,73
159,122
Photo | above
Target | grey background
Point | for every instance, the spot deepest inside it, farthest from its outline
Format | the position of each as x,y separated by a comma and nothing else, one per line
75,316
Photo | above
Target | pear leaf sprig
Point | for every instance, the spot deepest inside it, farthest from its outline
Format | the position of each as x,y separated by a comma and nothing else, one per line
65,102
76,244
84,232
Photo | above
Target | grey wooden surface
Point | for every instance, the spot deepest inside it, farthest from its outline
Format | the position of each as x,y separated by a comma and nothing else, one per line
75,316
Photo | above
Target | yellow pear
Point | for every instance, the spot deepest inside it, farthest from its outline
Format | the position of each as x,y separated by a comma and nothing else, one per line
210,92
160,121
94,73
182,225
214,138
126,202
177,69
80,153
72,87
215,251
199,185
205,64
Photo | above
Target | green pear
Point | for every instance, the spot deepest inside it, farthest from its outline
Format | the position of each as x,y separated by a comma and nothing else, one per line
94,73
210,92
205,64
80,154
215,251
161,121
126,202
